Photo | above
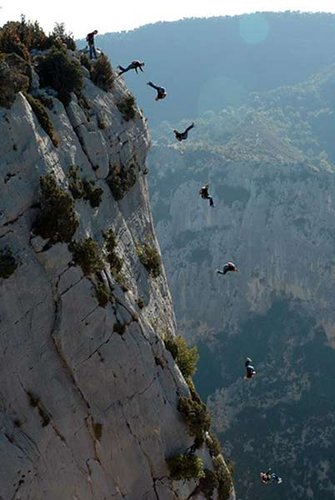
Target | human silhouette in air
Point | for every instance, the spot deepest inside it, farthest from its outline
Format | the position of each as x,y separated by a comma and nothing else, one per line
250,370
181,136
133,65
161,92
203,192
269,477
228,267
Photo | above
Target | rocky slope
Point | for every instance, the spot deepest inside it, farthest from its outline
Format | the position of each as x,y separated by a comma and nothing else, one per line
89,392
273,217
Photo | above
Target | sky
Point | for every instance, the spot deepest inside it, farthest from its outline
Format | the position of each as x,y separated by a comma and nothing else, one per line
110,16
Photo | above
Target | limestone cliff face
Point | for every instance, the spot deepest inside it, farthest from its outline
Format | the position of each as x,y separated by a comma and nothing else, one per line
88,409
275,222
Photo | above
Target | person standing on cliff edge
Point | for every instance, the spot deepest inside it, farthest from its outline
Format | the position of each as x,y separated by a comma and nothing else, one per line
90,41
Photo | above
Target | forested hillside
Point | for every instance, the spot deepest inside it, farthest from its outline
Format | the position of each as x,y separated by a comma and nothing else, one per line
207,64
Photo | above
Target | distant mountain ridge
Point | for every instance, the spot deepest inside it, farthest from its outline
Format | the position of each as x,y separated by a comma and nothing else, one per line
208,64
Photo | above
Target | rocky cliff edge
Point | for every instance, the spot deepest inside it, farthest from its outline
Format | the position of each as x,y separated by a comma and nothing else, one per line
89,393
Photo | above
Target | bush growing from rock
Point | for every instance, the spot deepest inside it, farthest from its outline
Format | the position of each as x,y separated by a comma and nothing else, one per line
101,73
20,37
57,220
140,302
208,484
112,258
82,188
58,71
86,62
76,187
119,328
92,194
43,118
224,478
150,258
10,41
59,36
102,294
86,254
185,467
120,180
8,263
196,416
213,445
46,101
12,81
127,107
185,357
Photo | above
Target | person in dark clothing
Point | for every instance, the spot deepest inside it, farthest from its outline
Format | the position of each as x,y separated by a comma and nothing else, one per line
90,41
161,92
251,372
181,136
269,476
203,192
133,65
228,267
276,478
265,478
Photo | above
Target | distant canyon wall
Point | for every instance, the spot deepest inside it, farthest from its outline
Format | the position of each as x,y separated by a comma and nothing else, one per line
275,221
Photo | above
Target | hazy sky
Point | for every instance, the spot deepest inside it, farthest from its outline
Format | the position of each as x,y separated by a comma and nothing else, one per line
106,16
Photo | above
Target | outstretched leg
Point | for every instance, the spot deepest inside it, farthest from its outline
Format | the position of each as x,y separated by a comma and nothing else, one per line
122,70
189,128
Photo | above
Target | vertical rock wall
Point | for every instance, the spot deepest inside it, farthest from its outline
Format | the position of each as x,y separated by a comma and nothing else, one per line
88,410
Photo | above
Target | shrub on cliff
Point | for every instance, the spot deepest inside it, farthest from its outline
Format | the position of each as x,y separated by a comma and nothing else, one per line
12,81
101,73
60,37
185,467
196,416
82,188
57,220
102,294
208,484
20,37
150,258
185,357
112,258
224,478
120,180
43,118
92,194
13,39
126,106
86,254
58,71
8,263
213,445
